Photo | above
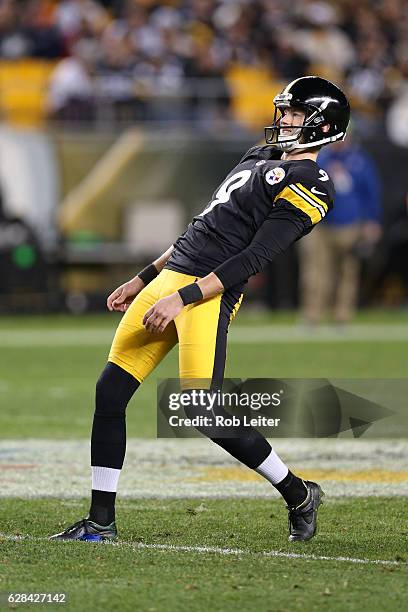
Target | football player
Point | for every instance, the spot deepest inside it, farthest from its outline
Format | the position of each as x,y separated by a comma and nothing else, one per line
275,195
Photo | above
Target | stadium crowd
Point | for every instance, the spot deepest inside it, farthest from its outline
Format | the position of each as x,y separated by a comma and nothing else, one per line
136,56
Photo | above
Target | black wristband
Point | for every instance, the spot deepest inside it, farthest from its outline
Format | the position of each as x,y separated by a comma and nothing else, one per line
148,274
190,293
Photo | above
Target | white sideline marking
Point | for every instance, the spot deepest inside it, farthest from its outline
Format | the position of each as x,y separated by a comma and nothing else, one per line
263,553
239,334
224,551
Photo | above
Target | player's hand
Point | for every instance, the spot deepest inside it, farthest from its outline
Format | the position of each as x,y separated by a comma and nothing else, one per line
123,296
165,310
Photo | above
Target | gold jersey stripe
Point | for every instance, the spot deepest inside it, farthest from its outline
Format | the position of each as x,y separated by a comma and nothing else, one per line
294,198
313,196
236,308
302,194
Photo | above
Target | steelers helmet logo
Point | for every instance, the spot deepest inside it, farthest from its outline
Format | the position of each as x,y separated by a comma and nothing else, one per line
276,175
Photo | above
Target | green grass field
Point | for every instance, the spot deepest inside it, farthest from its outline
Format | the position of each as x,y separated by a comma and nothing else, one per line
192,553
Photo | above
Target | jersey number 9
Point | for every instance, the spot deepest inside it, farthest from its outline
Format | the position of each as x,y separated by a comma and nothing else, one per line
223,194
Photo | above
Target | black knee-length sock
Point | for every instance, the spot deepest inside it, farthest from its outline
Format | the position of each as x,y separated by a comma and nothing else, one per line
114,389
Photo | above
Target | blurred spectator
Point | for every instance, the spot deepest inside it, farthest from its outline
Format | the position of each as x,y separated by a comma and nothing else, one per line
14,42
286,61
319,38
210,102
29,32
397,117
76,18
330,255
71,92
114,77
45,38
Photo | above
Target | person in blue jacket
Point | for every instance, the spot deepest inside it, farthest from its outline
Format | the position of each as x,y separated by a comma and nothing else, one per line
329,262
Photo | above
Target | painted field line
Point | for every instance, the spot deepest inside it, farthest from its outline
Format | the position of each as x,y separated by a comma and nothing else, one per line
355,332
223,551
245,334
264,553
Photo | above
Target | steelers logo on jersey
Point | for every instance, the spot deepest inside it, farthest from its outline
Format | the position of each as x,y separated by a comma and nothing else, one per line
276,175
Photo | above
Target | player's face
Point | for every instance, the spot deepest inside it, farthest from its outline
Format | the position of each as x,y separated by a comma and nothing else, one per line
293,117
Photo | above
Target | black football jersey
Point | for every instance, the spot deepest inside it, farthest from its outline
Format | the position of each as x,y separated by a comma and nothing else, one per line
260,200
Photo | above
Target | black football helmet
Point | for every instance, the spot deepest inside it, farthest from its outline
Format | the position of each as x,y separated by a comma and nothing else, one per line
323,103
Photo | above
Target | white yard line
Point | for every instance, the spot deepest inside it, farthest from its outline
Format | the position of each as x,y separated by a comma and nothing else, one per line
269,553
325,333
223,551
247,334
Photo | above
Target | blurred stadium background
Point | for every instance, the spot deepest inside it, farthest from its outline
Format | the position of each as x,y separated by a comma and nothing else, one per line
118,120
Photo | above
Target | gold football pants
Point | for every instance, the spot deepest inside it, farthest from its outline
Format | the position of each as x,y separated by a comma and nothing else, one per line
200,330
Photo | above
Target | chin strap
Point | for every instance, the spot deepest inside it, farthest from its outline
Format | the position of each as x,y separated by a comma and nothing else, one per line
291,146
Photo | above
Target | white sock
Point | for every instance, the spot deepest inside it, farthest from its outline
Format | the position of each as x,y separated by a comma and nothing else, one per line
105,479
273,468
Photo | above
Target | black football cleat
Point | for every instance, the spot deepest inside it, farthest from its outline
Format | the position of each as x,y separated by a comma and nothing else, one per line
303,518
87,530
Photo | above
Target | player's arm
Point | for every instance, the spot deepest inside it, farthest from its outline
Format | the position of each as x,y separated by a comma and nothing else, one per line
274,236
297,208
123,296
